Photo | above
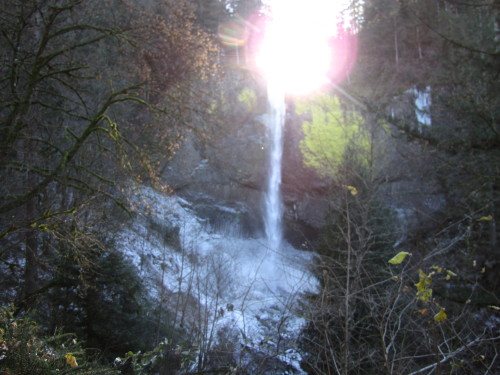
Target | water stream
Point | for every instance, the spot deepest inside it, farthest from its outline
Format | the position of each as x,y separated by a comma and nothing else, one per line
273,204
248,288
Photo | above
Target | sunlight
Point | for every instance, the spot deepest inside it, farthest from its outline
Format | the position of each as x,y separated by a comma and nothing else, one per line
295,53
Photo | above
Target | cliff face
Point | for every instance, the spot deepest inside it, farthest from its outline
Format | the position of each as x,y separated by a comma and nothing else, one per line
228,172
225,179
231,171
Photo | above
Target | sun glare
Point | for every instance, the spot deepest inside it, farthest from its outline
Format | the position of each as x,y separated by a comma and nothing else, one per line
295,53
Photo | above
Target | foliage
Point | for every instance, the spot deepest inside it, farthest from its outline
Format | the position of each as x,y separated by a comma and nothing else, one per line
26,350
96,97
451,49
399,257
210,13
424,292
367,321
85,111
356,239
165,357
249,98
331,130
365,318
106,305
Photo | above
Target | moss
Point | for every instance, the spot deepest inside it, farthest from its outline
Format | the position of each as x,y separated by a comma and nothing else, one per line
248,97
331,131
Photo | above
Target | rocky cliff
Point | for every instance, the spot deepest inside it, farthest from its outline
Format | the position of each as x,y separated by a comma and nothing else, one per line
225,178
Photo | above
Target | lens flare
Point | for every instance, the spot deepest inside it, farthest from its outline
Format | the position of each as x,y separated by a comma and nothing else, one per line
299,46
234,32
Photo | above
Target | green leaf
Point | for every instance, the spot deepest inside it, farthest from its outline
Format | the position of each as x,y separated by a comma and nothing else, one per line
440,316
485,218
436,268
424,292
351,189
451,273
399,257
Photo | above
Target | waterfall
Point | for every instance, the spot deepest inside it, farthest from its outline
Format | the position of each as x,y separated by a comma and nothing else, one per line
273,203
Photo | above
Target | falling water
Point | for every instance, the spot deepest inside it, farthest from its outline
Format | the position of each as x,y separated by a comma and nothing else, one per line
273,204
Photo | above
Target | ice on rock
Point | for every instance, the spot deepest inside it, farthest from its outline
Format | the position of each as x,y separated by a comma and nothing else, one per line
246,287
